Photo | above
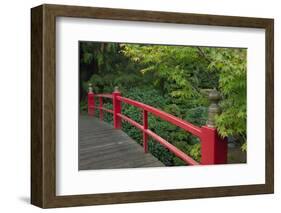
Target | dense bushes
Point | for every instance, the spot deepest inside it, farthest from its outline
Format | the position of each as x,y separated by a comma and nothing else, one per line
174,79
181,139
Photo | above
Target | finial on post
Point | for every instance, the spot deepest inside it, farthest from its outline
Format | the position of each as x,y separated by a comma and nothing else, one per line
91,100
90,88
214,108
116,89
213,146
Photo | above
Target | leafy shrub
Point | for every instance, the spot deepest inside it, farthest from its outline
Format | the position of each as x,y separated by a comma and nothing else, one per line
170,78
180,138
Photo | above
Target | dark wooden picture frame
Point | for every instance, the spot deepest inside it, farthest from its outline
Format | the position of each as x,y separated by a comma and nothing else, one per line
43,105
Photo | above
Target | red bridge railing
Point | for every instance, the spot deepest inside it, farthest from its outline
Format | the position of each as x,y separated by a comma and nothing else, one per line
213,147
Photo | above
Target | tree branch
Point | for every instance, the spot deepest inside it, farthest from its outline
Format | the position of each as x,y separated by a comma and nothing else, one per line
202,53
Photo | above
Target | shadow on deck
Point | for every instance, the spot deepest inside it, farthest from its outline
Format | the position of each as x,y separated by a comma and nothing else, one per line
103,147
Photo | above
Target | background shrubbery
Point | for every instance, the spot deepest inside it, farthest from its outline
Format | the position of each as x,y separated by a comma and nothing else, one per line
174,79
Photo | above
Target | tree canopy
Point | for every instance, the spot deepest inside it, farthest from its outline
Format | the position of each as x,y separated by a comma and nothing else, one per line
175,79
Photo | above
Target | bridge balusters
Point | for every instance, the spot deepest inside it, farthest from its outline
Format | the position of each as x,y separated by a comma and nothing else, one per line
145,127
213,147
116,109
91,101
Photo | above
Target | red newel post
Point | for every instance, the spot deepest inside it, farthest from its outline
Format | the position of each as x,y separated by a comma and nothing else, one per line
213,147
116,109
91,101
145,126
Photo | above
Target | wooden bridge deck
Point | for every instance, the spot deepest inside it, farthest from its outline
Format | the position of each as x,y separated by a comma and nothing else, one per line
103,147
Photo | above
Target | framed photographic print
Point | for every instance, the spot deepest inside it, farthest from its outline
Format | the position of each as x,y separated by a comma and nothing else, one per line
136,106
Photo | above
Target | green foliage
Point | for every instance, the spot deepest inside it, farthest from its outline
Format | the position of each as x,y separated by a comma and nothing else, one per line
244,147
179,70
231,66
185,70
171,133
102,65
171,78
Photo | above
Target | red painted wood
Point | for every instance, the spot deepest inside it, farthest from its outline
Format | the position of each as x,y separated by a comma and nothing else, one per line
131,121
213,147
165,116
91,104
104,95
144,134
107,110
165,143
100,107
116,109
101,103
180,154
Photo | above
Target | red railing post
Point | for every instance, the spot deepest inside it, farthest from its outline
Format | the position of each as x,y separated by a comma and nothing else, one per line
145,126
91,101
100,106
116,109
213,147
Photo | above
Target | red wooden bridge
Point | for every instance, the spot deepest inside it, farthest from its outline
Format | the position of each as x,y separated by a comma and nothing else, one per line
105,146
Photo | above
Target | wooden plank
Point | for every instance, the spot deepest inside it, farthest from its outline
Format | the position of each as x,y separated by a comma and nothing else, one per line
103,147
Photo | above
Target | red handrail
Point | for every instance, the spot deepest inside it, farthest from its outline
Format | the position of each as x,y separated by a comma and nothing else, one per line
104,95
213,148
161,140
165,116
